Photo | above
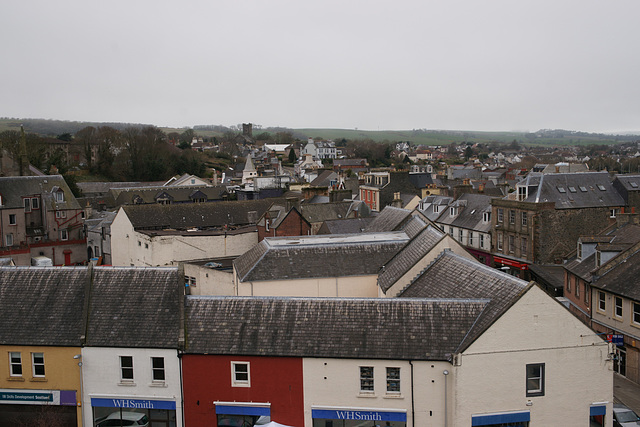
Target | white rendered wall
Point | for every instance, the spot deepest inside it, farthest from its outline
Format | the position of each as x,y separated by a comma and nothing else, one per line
351,286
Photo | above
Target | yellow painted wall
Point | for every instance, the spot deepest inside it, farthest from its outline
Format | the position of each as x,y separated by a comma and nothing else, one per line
60,368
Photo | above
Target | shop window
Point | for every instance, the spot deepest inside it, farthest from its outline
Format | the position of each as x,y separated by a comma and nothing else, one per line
157,368
15,362
366,379
393,380
535,379
240,374
37,362
618,307
126,368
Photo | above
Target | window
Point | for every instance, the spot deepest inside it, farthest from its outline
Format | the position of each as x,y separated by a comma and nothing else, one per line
481,240
451,231
460,235
512,217
64,235
583,189
486,216
602,302
37,361
579,250
59,195
61,214
500,214
525,219
393,380
499,238
436,208
126,368
569,279
561,190
636,313
96,251
27,205
587,290
577,287
189,281
366,378
12,219
601,187
512,244
453,211
139,243
15,362
35,203
157,368
240,374
524,247
8,239
597,258
535,379
470,238
614,212
146,246
618,307
573,189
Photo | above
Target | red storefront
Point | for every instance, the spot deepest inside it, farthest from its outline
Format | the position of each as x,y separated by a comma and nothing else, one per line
230,390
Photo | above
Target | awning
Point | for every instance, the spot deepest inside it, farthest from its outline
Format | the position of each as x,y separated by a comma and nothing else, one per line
595,410
500,418
242,408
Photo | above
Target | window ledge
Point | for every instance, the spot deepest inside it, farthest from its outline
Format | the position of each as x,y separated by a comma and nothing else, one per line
158,384
393,396
41,380
127,383
15,379
366,395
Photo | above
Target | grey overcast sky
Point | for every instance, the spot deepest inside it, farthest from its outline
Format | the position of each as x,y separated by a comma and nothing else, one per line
367,64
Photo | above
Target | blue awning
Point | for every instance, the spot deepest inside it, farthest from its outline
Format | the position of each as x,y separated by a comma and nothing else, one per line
359,415
242,410
500,418
597,410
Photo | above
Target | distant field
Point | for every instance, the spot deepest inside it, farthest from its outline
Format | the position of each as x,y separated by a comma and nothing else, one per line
424,137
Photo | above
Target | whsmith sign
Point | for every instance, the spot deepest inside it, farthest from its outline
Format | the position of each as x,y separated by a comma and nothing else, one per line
358,415
133,403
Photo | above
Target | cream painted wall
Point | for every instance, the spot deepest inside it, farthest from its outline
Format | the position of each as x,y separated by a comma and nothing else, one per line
130,247
209,281
350,286
622,324
447,242
101,377
492,371
336,383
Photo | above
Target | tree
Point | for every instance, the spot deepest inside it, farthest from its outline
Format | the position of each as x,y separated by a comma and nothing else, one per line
88,139
292,156
187,136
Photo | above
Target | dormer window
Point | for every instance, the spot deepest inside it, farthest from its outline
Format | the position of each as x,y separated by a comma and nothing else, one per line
486,216
59,195
453,211
580,250
436,208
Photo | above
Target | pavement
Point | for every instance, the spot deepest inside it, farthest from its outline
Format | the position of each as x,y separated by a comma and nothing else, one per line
626,392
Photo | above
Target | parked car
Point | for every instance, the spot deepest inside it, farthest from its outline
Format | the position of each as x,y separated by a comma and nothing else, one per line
624,417
128,419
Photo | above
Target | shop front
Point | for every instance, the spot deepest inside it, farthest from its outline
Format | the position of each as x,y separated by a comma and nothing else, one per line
358,417
116,411
242,414
18,407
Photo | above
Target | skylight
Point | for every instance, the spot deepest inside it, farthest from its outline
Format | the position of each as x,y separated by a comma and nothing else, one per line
561,189
634,184
572,189
583,189
601,187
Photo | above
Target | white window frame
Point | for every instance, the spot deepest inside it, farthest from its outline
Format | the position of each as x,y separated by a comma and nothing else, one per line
525,219
460,235
481,240
500,215
635,318
512,216
126,368
37,364
532,377
470,238
236,375
367,383
35,203
59,196
499,241
8,239
15,364
486,217
602,301
160,370
436,208
617,308
27,204
61,214
64,234
393,380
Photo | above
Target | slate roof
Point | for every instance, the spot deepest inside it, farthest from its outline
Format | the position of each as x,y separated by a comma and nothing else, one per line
178,194
135,307
345,226
388,220
324,179
328,255
553,274
406,258
452,275
623,278
430,201
629,182
471,208
382,328
42,305
574,190
196,215
415,225
582,268
13,188
319,212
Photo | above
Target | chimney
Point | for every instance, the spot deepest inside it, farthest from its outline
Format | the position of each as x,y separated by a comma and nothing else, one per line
481,187
397,201
293,202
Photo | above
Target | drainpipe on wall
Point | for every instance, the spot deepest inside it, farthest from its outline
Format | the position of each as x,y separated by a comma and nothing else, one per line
413,412
445,373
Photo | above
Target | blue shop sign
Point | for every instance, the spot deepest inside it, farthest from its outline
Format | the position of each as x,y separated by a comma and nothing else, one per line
242,410
133,403
358,415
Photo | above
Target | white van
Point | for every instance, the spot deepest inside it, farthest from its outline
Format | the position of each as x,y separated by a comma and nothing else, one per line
41,261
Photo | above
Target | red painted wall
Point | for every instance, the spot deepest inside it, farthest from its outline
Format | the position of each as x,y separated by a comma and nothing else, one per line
277,380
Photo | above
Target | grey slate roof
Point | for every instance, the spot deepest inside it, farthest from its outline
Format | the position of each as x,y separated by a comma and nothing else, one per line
406,258
471,208
451,275
42,305
328,255
200,215
383,328
345,226
388,220
13,188
623,278
134,307
574,190
320,212
178,194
